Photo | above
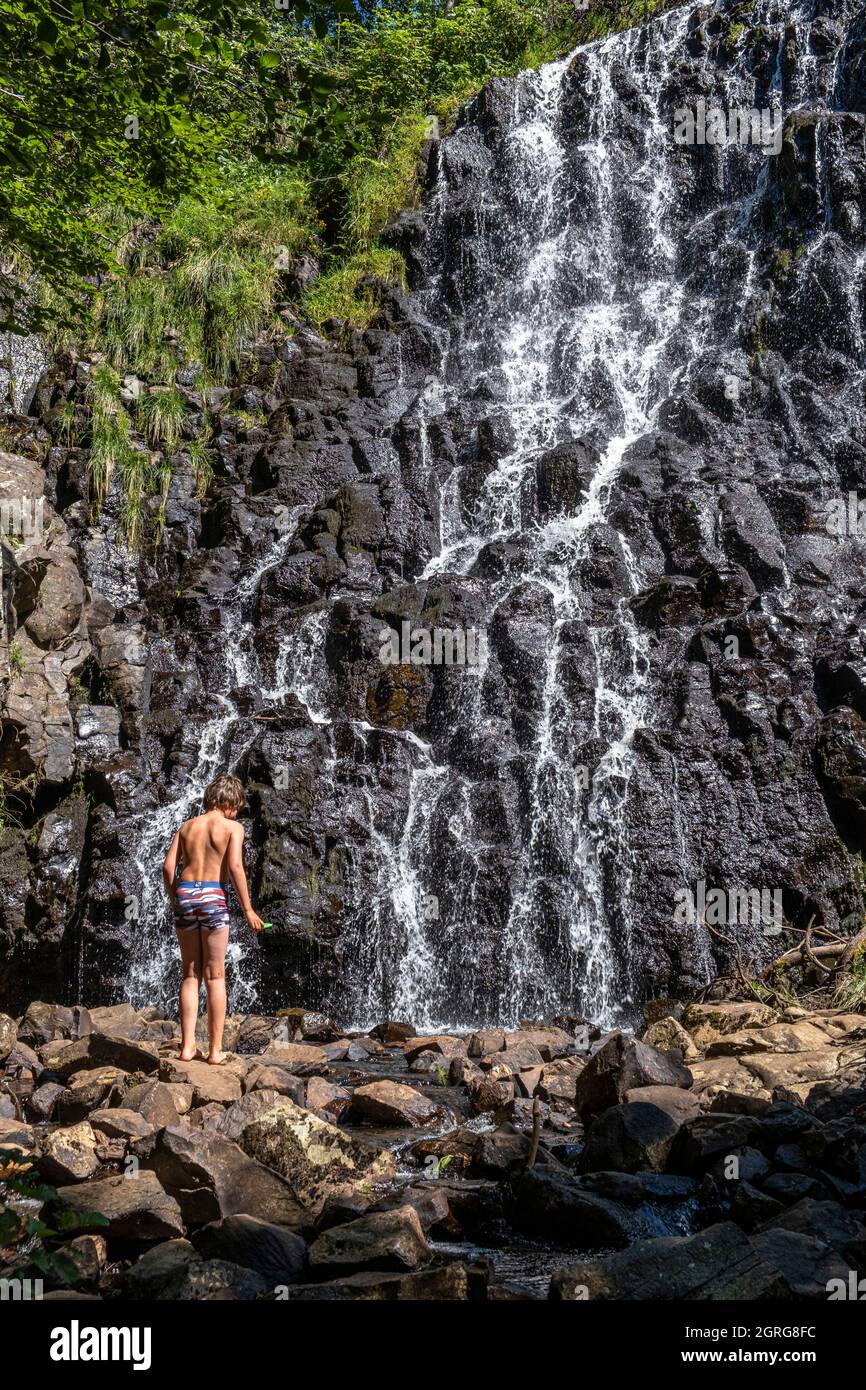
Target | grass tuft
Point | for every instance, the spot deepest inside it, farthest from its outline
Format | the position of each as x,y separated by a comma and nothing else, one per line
348,290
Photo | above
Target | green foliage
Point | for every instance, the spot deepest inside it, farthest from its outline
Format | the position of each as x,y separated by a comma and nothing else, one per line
201,458
160,414
851,993
260,134
109,430
105,105
42,1244
377,189
16,658
205,281
348,291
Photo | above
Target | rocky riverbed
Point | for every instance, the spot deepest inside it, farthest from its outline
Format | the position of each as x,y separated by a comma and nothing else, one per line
722,1154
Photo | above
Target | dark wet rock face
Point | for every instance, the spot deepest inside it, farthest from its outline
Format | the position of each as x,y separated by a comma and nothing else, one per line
612,432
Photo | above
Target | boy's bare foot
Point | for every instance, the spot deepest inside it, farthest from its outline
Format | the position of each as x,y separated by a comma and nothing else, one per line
195,1056
216,1059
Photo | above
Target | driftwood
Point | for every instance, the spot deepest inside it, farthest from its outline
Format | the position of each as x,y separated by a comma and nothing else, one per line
829,958
854,943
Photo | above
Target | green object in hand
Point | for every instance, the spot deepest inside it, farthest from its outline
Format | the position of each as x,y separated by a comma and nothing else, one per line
265,925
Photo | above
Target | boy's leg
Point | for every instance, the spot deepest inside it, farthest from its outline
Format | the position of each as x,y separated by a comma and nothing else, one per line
214,945
189,941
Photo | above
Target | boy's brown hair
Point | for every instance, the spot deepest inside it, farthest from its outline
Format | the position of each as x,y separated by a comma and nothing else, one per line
225,793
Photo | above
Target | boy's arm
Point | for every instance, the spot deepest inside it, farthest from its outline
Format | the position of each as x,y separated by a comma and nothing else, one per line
239,878
169,867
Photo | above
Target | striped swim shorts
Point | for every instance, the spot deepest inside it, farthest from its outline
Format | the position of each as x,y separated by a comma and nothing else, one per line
201,904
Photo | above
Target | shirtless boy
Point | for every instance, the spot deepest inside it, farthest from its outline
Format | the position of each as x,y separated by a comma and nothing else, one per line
210,850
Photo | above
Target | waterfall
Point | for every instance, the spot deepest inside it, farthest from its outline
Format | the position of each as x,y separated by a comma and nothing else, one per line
152,974
574,295
591,390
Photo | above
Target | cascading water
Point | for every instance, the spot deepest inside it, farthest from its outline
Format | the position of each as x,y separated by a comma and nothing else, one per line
599,430
566,299
153,972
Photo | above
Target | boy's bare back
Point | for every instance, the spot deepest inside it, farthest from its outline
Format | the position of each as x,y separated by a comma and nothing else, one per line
204,846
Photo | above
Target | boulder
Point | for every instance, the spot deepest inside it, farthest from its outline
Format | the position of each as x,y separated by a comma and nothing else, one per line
516,1057
387,1103
23,1063
719,1075
429,1200
844,1230
121,1124
629,1137
486,1093
559,1080
251,1107
45,1022
8,1035
778,1037
275,1077
681,1105
381,1240
668,1035
622,1064
796,1072
319,1161
90,1254
256,1031
210,1176
159,1102
309,1025
789,1188
551,1042
486,1040
707,1137
88,1090
707,1022
208,1083
551,1205
324,1098
175,1271
393,1032
634,1188
69,1155
717,1264
96,1050
806,1263
16,1133
117,1020
443,1043
42,1102
204,1280
158,1268
750,1207
304,1059
278,1255
495,1154
135,1208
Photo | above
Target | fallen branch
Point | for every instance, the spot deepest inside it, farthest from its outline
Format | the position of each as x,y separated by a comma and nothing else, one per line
852,945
